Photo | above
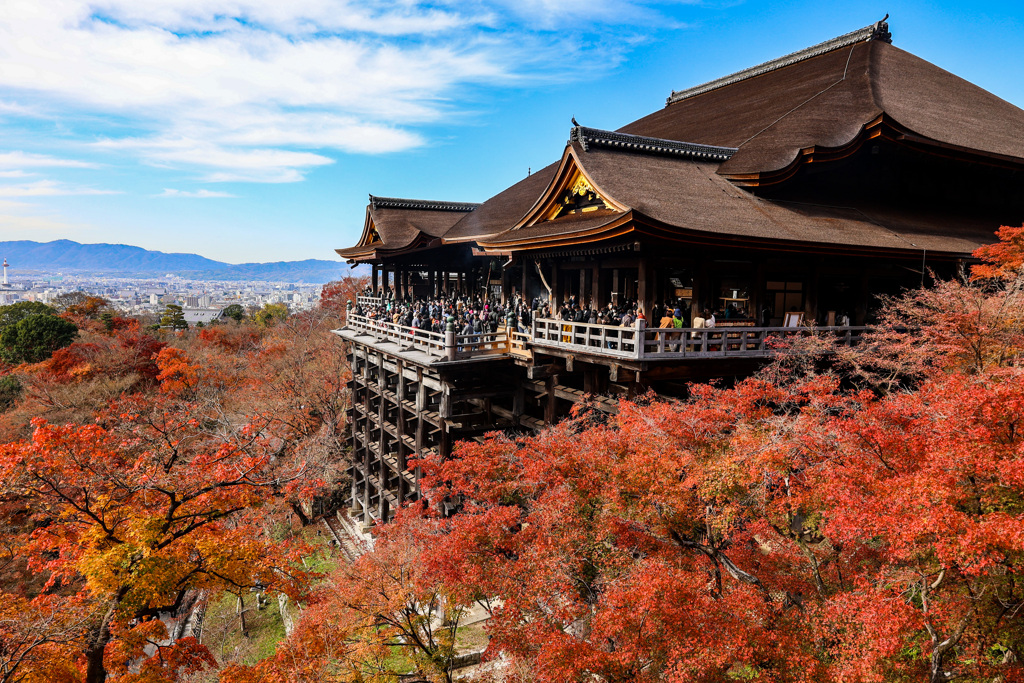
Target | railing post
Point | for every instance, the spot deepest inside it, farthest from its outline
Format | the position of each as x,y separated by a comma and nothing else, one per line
348,311
638,341
449,339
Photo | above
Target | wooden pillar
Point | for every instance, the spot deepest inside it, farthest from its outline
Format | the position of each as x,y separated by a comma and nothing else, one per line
811,295
373,278
759,295
460,282
701,287
556,288
421,424
616,292
590,379
595,285
400,431
353,426
645,286
382,413
550,402
506,283
522,290
860,313
367,462
518,403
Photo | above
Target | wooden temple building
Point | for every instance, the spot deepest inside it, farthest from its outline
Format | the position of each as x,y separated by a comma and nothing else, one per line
806,185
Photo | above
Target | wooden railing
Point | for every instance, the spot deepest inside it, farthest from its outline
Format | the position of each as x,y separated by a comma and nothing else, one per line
446,345
364,300
432,343
603,340
519,345
666,344
632,343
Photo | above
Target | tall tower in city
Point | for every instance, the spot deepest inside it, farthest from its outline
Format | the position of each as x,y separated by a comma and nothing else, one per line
5,272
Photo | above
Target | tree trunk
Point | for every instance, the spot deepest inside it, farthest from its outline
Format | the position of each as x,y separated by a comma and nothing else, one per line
96,671
297,509
286,617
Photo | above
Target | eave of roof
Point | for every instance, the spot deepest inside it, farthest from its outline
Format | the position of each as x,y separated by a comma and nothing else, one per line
420,204
593,137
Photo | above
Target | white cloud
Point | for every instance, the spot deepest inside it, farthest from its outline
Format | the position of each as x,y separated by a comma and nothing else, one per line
22,160
254,88
48,188
197,194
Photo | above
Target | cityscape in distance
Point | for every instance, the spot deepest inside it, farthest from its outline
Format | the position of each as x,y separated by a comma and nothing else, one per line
139,281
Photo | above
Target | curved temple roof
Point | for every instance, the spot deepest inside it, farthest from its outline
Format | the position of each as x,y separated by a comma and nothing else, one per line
825,96
678,173
394,225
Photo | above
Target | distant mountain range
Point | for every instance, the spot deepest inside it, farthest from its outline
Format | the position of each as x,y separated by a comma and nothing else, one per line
66,256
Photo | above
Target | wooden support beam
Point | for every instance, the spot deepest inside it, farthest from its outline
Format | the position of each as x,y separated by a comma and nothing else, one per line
556,287
645,286
551,400
400,432
542,371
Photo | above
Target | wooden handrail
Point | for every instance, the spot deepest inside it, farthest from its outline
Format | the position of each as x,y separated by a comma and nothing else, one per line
364,300
633,343
668,343
440,344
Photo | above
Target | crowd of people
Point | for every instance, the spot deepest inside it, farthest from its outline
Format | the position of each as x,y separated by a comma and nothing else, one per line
474,315
471,315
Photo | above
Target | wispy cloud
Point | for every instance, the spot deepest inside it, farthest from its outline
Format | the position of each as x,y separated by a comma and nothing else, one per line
49,188
265,91
20,160
196,194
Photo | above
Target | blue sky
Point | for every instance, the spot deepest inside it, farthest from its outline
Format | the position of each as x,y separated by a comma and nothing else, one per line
253,130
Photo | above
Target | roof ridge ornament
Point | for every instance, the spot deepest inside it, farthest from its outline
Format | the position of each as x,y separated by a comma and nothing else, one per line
593,137
422,204
877,31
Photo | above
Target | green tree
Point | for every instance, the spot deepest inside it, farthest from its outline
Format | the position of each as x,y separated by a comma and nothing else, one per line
235,312
270,314
10,315
10,392
173,317
35,338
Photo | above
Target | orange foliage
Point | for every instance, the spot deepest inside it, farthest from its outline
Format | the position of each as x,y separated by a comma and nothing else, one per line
1005,258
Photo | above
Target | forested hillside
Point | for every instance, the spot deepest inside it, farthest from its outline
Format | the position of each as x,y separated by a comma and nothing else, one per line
847,514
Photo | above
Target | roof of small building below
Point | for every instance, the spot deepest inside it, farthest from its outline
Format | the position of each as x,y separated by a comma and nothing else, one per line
202,315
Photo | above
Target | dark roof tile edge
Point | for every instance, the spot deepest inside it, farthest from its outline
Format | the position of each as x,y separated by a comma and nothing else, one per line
638,143
422,204
877,31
